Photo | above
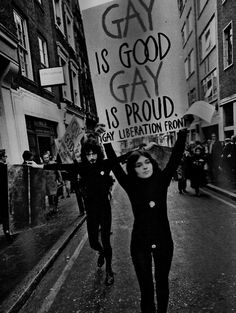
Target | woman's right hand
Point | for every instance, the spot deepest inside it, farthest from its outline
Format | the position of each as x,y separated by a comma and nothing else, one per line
99,129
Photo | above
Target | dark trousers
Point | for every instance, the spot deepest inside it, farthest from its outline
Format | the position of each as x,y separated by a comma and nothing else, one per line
100,217
53,201
182,183
142,259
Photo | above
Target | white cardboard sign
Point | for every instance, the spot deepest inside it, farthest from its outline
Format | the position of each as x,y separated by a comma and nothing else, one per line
137,67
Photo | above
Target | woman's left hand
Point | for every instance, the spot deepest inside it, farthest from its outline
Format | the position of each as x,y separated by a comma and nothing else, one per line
188,119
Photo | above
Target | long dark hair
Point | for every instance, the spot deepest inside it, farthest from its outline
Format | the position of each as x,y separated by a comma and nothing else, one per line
91,145
133,158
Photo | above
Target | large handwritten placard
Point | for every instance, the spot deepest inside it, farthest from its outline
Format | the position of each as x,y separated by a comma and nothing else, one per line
135,55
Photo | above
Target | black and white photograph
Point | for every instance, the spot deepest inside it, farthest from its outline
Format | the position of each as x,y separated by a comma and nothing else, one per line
117,156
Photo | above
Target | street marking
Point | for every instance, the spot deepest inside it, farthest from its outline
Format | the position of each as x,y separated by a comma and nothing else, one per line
58,284
218,198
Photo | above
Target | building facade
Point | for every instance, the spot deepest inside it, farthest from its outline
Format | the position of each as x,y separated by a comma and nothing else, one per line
227,71
41,34
200,45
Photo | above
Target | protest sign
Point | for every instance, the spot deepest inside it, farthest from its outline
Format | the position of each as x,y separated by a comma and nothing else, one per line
71,140
135,55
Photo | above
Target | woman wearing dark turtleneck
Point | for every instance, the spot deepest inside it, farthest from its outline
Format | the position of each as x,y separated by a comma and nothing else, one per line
146,186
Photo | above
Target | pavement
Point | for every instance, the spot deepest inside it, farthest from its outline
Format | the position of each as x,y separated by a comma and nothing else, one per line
25,261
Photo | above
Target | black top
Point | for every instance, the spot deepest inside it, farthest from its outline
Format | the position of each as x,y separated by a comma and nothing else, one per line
149,196
95,177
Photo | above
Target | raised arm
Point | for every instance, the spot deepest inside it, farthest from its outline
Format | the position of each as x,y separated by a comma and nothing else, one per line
117,169
176,155
55,166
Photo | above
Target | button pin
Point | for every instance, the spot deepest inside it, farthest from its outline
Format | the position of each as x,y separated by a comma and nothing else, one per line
152,204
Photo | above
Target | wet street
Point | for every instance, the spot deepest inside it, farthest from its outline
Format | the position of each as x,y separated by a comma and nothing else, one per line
203,273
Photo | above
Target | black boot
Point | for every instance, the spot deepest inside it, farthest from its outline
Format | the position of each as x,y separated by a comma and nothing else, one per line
109,280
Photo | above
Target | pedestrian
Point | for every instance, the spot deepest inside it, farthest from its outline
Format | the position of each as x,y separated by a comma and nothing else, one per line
147,185
94,171
66,188
53,180
182,172
226,160
197,170
77,186
215,150
4,213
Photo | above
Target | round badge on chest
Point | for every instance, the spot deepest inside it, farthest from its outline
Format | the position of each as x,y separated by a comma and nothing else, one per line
152,204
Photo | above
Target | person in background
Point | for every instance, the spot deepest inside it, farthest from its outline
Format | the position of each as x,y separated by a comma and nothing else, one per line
197,171
4,214
214,153
53,179
226,160
66,177
147,185
182,172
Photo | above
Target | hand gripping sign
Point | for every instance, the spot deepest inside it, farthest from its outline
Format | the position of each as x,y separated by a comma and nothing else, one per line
135,54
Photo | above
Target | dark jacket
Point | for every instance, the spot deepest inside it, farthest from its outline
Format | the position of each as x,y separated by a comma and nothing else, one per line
95,178
197,171
149,197
3,193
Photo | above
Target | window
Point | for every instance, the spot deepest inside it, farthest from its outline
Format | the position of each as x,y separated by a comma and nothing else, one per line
75,85
228,114
187,27
43,52
209,87
69,28
181,4
192,96
201,5
23,46
184,33
228,45
63,61
86,70
190,21
57,4
189,64
208,39
84,104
